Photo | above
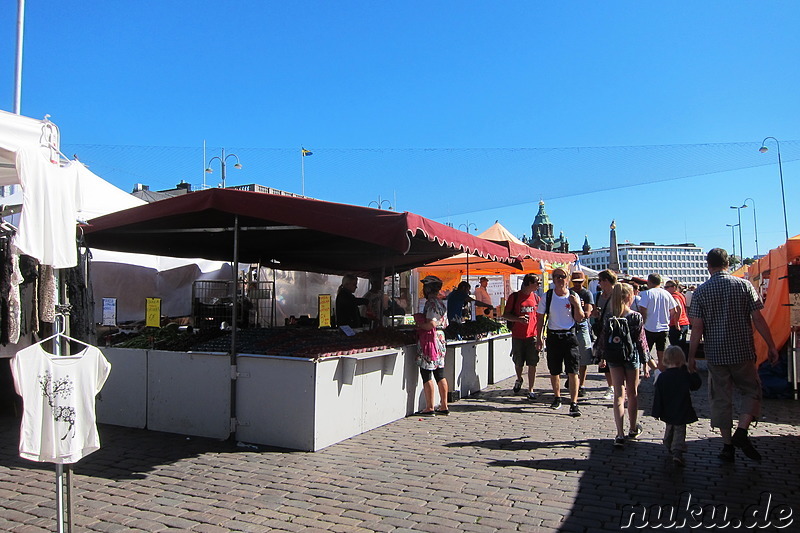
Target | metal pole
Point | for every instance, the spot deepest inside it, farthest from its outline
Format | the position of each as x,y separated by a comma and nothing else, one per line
741,248
783,195
234,320
755,223
733,239
763,149
222,162
18,64
302,172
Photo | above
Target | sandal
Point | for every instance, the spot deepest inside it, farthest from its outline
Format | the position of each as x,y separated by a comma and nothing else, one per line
425,413
443,412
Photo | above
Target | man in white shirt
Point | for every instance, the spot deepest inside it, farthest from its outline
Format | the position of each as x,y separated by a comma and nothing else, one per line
657,307
563,310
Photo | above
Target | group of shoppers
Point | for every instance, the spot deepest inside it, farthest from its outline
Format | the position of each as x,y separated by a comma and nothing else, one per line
723,313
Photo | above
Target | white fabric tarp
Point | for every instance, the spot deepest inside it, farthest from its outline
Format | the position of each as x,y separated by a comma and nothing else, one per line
17,132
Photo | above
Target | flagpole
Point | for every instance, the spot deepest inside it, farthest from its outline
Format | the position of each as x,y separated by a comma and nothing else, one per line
302,171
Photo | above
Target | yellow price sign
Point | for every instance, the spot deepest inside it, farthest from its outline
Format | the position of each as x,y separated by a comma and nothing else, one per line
153,312
324,310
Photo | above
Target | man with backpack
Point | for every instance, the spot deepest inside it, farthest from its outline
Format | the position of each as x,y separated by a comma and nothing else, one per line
563,310
521,313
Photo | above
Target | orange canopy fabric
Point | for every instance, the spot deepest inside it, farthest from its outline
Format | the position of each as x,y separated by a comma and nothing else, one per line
774,267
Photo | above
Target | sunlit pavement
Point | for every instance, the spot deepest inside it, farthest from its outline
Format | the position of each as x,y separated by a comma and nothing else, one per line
497,463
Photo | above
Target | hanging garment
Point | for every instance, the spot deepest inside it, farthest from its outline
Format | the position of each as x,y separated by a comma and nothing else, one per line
14,301
6,272
81,298
50,203
29,315
58,395
47,294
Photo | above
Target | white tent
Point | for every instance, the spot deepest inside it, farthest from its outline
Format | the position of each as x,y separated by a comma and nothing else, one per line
18,132
127,277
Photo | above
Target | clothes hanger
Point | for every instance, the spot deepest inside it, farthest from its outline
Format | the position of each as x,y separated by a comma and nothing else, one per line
61,334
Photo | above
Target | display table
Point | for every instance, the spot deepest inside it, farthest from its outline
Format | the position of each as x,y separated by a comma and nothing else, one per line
287,402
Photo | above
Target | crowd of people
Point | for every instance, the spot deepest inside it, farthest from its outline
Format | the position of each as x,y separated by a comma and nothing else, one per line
629,330
618,329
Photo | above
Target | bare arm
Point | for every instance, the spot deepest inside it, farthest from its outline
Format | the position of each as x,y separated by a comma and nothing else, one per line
577,308
697,332
763,329
539,330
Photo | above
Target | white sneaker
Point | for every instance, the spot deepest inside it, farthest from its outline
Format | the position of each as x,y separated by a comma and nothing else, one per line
656,373
609,395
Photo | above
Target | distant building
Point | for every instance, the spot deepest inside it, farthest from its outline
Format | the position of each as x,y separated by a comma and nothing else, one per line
683,262
542,234
143,192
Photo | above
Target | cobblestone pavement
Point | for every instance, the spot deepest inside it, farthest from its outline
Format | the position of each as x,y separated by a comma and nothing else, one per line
497,463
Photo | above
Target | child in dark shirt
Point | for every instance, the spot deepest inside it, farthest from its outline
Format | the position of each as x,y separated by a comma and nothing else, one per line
672,403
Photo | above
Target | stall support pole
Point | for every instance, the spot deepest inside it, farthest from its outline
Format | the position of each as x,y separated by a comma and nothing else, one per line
234,321
63,471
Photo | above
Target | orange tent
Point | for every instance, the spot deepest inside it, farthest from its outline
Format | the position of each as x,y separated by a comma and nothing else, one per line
534,261
772,270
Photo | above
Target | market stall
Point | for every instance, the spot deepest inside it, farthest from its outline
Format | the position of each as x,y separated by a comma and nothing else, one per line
776,276
338,395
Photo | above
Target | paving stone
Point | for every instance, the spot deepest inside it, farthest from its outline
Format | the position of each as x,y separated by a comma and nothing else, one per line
496,464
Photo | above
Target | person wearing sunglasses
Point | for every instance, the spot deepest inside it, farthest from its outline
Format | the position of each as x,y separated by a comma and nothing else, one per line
563,310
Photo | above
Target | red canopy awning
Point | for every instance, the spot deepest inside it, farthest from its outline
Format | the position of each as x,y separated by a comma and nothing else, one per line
288,233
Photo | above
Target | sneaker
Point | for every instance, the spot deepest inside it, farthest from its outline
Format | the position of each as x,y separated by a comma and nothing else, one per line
609,394
517,386
677,458
573,410
656,373
556,403
741,440
532,396
728,453
581,392
619,442
635,432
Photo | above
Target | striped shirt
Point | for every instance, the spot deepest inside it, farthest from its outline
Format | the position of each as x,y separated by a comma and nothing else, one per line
725,304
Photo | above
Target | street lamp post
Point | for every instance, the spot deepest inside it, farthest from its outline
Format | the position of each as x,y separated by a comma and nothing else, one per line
755,223
739,214
764,149
380,202
733,238
467,227
222,161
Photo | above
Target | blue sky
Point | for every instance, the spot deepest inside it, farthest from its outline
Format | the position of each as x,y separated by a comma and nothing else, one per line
466,112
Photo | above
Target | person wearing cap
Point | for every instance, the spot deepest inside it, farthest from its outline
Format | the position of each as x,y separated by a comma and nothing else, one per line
520,311
582,329
432,346
563,309
482,295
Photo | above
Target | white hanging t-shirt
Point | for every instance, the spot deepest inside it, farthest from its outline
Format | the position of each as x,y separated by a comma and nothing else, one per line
58,395
50,203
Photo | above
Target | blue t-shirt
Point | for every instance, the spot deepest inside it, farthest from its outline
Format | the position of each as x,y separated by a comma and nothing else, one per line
455,306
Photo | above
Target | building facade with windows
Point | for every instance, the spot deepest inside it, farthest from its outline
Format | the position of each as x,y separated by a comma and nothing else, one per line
683,262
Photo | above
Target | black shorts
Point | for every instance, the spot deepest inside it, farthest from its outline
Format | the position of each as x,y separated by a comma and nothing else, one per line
657,338
562,353
524,352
